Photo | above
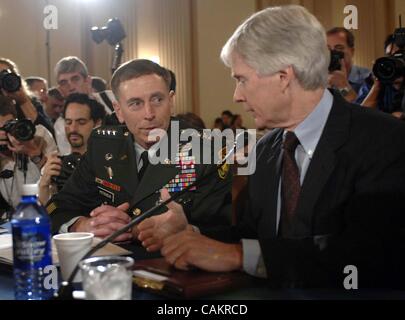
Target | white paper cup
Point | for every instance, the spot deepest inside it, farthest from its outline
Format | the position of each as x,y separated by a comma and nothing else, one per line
71,247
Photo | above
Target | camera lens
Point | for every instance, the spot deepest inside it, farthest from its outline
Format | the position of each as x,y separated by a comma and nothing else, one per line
10,81
24,130
384,69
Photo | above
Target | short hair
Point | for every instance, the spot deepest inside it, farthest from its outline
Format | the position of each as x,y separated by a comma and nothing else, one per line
10,64
7,107
349,35
135,69
55,93
227,113
70,64
30,80
98,84
97,111
192,119
173,82
278,37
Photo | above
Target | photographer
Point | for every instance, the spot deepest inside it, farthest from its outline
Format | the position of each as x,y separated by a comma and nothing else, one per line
385,96
81,114
23,151
27,107
347,78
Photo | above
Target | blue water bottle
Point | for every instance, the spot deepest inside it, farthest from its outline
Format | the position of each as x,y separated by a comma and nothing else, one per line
31,247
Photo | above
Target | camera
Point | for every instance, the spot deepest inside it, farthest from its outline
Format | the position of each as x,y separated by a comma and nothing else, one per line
335,57
10,81
388,69
22,130
69,164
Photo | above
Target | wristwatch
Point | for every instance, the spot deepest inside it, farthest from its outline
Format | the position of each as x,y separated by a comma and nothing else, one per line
37,159
344,91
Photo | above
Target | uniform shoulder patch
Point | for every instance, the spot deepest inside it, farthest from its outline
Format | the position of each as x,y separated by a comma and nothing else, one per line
50,208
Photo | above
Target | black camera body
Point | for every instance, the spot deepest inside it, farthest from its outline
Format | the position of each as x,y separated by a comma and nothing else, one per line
335,57
388,69
69,164
22,130
9,81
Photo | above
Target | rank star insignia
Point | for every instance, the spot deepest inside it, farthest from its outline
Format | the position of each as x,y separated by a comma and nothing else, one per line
109,172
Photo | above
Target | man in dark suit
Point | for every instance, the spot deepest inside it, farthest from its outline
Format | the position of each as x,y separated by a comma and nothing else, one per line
119,168
328,192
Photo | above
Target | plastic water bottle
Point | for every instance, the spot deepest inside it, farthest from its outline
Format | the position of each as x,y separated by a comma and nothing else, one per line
31,247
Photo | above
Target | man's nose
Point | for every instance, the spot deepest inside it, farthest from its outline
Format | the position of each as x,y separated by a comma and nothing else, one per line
237,96
149,112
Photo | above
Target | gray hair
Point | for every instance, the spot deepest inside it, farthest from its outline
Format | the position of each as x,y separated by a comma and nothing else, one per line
70,64
278,37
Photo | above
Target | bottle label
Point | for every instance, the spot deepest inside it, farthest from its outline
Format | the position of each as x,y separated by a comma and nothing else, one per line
32,246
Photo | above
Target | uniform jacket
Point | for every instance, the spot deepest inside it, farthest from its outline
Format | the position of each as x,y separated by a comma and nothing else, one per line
107,174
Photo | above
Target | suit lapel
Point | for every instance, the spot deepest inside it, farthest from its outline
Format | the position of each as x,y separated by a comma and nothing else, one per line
322,165
272,181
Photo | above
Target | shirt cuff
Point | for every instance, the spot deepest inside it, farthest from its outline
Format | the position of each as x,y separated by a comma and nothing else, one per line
64,228
253,263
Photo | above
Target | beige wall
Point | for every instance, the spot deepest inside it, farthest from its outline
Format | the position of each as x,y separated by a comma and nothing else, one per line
214,27
22,35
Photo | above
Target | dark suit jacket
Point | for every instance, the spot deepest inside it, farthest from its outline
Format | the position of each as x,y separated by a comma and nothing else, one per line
351,208
107,174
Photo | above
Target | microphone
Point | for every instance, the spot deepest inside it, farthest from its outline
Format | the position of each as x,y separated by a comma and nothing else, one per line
66,290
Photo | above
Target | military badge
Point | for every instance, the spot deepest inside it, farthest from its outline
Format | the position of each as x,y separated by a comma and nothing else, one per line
109,172
187,174
224,168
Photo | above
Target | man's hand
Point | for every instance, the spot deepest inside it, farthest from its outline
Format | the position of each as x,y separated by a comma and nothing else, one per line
20,96
154,230
104,221
52,167
190,249
30,148
339,78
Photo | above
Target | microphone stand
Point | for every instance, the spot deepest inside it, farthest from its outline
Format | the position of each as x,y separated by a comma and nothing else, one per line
66,290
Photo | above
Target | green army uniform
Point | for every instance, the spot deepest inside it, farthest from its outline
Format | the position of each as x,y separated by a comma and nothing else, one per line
108,174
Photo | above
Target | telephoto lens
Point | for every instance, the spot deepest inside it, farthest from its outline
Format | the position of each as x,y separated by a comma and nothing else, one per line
388,69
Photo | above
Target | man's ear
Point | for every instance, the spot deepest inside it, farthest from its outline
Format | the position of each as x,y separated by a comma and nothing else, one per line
118,111
286,75
172,95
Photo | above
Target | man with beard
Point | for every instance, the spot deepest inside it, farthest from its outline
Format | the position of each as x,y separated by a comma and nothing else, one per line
81,115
